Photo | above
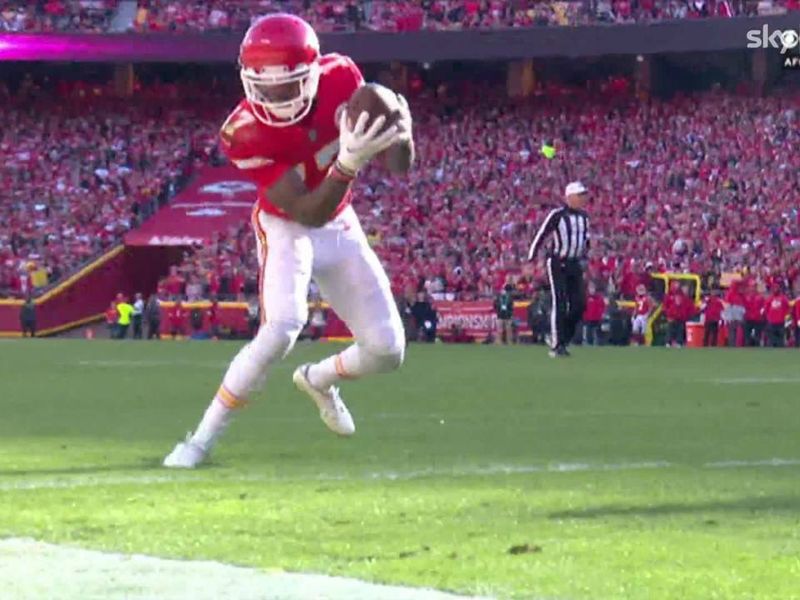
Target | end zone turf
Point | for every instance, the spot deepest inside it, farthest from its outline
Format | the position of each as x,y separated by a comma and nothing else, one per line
31,570
622,473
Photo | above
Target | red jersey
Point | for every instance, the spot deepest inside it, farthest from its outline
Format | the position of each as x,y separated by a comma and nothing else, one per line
678,306
713,309
174,285
734,295
309,147
213,314
777,309
643,305
754,307
595,307
176,315
796,311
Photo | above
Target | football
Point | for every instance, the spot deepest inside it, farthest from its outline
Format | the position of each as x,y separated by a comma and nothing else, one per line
377,100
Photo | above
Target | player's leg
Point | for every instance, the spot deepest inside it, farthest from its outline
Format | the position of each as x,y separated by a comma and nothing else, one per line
575,300
737,333
640,328
558,308
498,332
715,334
778,336
285,259
358,289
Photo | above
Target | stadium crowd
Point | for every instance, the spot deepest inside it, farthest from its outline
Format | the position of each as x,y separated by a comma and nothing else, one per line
705,184
90,16
75,180
377,15
714,192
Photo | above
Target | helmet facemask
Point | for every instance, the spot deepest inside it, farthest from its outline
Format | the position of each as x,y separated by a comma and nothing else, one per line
281,97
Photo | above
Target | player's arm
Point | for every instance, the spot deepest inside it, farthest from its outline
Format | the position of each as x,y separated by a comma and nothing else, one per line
314,208
356,147
545,230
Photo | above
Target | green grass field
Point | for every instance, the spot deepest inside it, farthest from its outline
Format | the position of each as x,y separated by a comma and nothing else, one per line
620,473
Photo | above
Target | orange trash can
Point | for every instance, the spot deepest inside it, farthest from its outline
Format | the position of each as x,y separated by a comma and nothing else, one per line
694,335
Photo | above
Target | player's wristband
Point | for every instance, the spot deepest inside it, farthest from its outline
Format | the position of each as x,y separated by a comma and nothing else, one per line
341,173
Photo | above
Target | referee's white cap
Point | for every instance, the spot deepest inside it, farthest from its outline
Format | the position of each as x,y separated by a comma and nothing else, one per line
576,187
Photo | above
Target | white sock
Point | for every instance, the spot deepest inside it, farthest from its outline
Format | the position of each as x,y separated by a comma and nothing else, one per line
353,362
328,371
246,373
214,422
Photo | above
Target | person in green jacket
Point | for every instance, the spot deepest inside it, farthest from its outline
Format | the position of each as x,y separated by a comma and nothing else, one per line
124,310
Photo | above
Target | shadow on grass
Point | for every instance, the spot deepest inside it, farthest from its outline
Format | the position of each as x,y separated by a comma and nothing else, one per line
749,504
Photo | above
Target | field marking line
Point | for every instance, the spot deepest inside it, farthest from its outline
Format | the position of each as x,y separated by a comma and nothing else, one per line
142,364
751,380
767,462
78,481
32,570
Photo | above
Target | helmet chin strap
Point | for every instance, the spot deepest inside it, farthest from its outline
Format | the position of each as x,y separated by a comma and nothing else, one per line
282,114
288,112
279,117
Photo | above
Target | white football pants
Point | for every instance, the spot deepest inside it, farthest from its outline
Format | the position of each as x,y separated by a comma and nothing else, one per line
350,278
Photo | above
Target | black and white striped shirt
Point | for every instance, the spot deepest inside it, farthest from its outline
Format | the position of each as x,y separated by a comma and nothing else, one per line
568,230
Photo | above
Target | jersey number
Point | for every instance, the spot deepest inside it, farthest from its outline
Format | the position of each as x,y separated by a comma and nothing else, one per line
323,159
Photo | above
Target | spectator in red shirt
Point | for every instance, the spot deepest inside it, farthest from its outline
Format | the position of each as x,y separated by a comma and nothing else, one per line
174,284
753,317
777,309
712,314
677,310
111,320
593,316
734,312
796,321
213,319
237,284
176,319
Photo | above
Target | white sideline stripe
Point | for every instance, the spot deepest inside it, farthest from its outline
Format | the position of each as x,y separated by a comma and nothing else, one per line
753,380
31,570
769,462
475,471
139,364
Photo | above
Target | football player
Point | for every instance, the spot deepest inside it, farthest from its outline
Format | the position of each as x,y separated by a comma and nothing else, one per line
641,314
291,134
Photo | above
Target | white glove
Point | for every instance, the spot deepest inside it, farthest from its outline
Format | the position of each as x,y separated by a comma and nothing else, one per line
357,147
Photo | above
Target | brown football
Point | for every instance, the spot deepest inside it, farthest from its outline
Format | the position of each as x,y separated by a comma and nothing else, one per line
376,100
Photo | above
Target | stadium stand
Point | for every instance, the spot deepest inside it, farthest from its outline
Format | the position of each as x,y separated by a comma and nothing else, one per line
459,226
80,168
378,15
91,16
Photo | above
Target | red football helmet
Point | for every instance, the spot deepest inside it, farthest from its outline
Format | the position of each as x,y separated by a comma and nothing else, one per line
279,59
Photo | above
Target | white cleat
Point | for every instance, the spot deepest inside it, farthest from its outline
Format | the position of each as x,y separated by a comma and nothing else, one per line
332,409
186,455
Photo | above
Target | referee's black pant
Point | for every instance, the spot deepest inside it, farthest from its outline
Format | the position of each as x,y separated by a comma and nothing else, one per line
566,286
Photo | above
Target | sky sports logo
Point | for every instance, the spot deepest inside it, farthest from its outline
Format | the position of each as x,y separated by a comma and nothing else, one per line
786,41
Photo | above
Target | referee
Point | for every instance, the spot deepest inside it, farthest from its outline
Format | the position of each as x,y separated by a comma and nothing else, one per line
567,228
